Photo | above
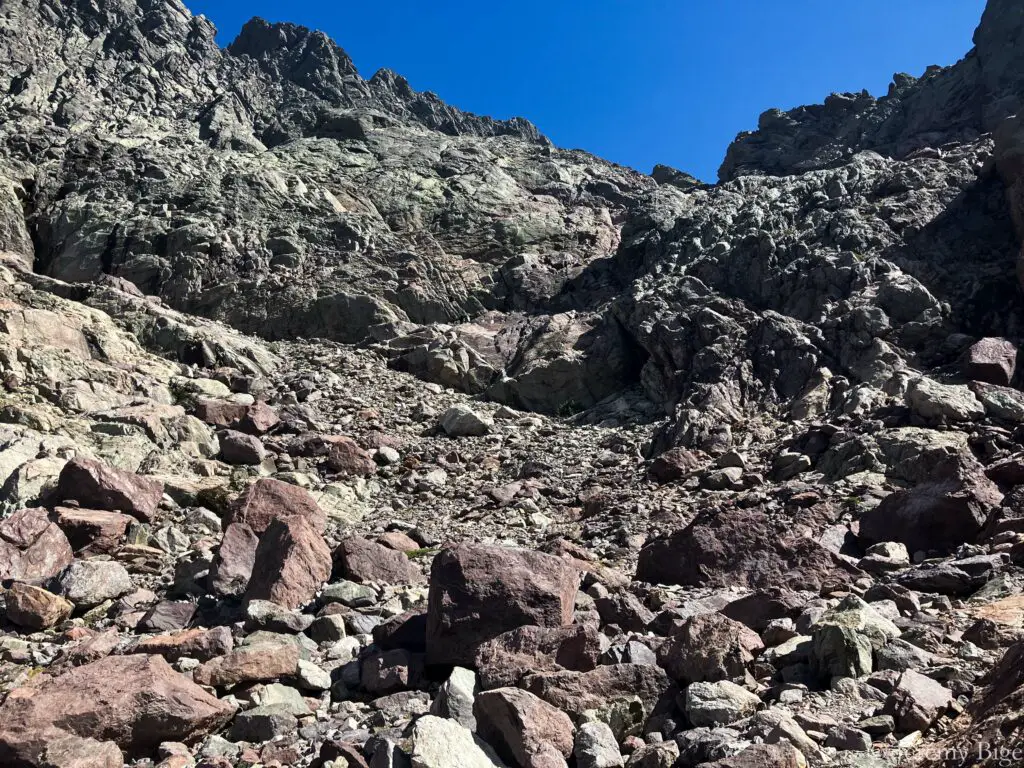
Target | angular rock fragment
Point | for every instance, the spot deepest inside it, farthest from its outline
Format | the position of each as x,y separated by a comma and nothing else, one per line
137,702
32,549
477,592
362,561
292,562
99,486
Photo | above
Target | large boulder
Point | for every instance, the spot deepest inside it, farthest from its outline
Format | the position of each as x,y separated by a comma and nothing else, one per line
99,486
477,592
741,547
234,561
362,561
96,530
991,361
292,562
523,729
441,743
32,548
708,648
91,582
943,403
939,515
267,500
261,662
35,608
506,659
137,702
603,688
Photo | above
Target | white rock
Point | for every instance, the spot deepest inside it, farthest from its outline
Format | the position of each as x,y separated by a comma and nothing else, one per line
441,743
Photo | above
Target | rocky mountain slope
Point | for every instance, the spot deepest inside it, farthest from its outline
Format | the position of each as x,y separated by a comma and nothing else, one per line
340,427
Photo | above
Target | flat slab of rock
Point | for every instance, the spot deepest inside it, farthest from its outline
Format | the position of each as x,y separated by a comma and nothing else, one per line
137,702
201,644
364,561
258,663
477,592
99,486
576,692
234,561
93,529
741,547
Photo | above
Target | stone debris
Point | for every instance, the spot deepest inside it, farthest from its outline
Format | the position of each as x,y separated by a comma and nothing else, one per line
339,427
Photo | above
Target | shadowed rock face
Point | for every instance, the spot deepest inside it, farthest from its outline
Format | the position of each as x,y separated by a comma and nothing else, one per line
270,186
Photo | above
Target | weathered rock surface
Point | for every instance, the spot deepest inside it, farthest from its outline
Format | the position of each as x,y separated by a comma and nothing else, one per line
137,702
479,592
789,398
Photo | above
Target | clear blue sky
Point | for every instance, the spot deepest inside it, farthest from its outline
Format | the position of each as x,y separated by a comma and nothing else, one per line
636,81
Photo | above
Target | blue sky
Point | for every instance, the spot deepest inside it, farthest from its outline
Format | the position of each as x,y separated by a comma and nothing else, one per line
638,82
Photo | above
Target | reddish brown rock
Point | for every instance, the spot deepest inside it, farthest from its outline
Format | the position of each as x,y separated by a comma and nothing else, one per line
391,671
34,608
97,646
346,458
201,644
506,659
758,609
31,547
673,465
763,756
343,753
934,516
259,663
99,486
742,547
917,702
398,541
478,592
708,648
523,729
259,419
991,360
234,561
267,500
92,529
137,702
292,563
219,413
362,561
576,692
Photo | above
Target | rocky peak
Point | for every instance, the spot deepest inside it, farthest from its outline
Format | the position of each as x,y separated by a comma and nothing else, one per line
947,104
297,54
